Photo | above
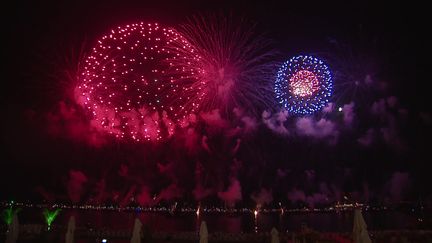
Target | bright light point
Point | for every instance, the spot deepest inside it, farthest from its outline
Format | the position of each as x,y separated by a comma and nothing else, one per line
104,240
340,109
255,212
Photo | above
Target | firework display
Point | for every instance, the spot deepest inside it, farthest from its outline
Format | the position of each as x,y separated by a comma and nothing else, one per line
303,85
9,213
50,216
236,66
131,85
141,80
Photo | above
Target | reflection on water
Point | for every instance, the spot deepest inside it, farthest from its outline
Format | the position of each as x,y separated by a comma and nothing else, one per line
233,223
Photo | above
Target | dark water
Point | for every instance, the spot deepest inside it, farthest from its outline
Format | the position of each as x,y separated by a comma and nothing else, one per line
242,222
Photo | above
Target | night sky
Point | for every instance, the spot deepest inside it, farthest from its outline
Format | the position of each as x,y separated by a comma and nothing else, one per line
376,149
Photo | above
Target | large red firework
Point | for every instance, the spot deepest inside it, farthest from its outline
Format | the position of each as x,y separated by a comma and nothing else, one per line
130,85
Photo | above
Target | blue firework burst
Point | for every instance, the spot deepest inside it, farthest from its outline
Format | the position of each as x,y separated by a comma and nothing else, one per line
303,85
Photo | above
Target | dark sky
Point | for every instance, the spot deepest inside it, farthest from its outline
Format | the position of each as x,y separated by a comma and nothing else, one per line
41,40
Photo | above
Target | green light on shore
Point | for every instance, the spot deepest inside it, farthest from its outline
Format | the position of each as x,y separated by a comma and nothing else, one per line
50,216
9,213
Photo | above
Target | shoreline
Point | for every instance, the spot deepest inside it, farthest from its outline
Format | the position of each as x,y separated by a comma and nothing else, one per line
38,233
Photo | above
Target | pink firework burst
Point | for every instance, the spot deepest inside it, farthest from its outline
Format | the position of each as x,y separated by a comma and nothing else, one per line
235,66
304,83
131,87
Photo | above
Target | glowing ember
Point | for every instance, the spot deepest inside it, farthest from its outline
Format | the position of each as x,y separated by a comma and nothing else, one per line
130,85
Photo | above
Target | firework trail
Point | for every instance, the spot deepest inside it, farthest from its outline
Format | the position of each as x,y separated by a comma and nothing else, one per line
235,65
129,84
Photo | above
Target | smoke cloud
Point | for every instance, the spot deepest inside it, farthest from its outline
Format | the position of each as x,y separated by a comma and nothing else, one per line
75,185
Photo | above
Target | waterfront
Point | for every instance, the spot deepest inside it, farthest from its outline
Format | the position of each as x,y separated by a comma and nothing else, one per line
160,221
